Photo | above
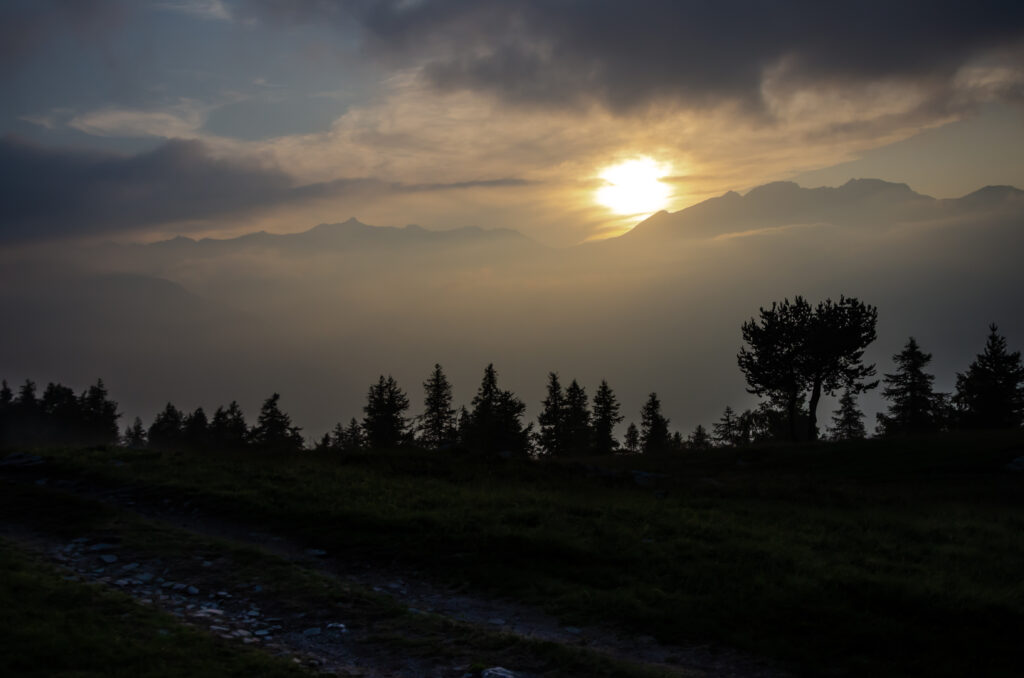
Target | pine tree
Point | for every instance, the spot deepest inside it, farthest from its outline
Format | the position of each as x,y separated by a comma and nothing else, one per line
228,429
991,393
848,420
274,431
354,440
606,418
495,423
99,416
384,423
438,422
654,435
912,408
165,432
135,435
729,430
632,439
552,437
196,430
577,420
325,444
699,439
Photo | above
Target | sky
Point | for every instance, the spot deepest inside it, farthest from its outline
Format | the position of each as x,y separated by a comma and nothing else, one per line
127,123
151,118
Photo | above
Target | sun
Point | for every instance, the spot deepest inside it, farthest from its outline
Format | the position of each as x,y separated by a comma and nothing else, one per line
634,187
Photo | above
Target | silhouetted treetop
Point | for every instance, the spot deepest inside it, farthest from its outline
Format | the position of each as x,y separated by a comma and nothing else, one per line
384,423
794,348
990,394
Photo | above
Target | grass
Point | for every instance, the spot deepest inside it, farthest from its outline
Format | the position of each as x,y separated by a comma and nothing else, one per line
54,627
899,558
390,628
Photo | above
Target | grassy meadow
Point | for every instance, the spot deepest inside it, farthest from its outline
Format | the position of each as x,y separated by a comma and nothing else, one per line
899,558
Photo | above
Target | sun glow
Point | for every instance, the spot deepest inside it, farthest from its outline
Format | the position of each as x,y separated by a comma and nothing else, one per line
634,187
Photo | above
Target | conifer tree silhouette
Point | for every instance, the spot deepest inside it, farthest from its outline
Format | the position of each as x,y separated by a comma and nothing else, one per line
632,439
438,427
848,420
384,423
274,431
654,436
990,394
605,418
913,405
551,436
577,420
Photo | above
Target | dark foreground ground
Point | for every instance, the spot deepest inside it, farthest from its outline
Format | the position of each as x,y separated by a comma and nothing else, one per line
893,558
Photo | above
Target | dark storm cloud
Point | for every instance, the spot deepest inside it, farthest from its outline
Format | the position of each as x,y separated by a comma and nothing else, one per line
47,193
625,54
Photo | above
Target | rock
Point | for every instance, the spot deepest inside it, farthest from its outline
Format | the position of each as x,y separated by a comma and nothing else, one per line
496,621
498,672
315,631
337,626
130,566
144,577
1016,465
192,591
262,632
318,553
573,630
101,547
108,558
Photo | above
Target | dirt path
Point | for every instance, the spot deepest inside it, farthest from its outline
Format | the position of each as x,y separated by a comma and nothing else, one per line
202,588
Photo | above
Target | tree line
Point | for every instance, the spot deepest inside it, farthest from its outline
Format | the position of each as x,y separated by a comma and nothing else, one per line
794,353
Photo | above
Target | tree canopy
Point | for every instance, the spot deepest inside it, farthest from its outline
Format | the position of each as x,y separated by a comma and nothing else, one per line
797,350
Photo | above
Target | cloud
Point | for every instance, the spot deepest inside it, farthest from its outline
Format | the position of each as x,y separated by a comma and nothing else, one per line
626,55
51,193
185,119
204,9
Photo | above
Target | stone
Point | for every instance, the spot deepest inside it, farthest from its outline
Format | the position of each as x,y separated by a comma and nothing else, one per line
192,591
496,621
317,553
262,632
144,577
101,547
108,558
498,672
315,631
130,566
573,630
1016,465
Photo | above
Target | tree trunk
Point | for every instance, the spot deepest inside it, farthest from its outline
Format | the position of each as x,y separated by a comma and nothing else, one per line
793,432
812,411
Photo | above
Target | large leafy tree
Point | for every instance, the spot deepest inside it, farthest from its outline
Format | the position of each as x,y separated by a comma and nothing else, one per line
384,423
913,406
605,418
437,426
796,350
990,394
654,435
